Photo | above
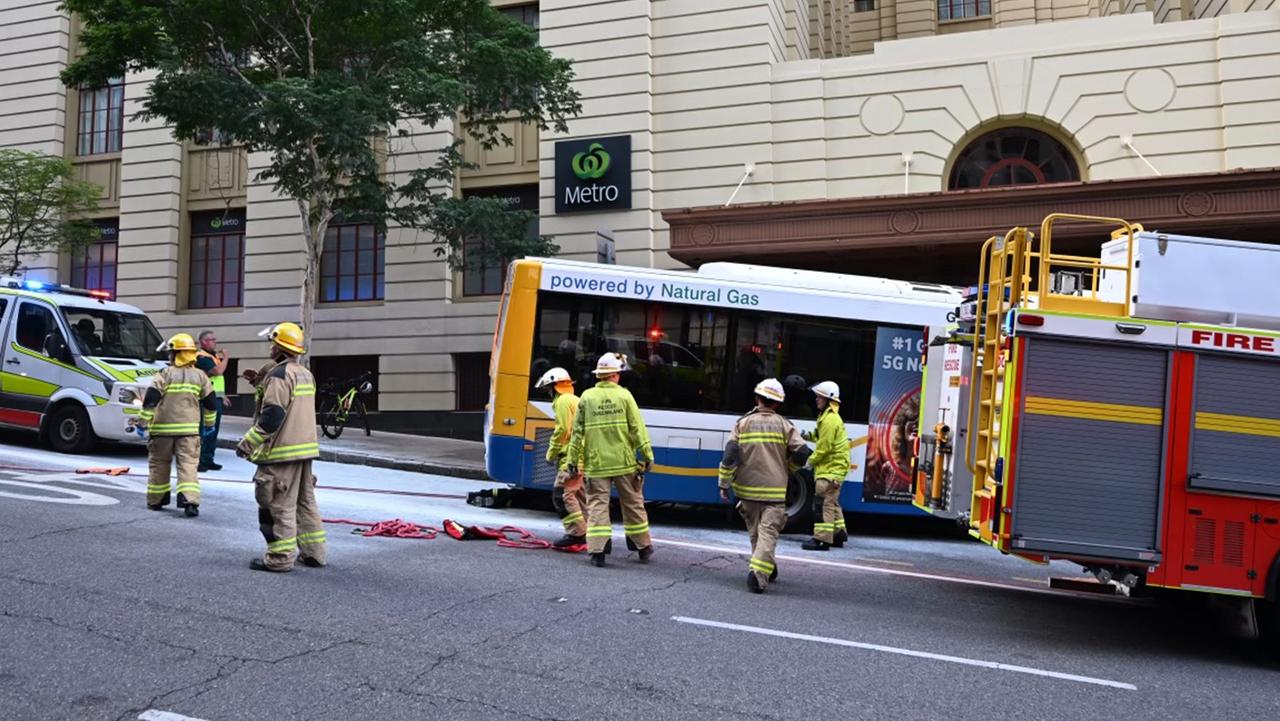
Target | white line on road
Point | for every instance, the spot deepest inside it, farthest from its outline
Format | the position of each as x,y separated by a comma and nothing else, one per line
907,652
154,715
872,569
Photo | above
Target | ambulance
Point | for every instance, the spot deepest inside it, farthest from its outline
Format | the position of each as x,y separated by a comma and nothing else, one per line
74,365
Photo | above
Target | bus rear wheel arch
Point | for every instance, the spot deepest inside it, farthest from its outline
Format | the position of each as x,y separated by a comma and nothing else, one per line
800,502
67,428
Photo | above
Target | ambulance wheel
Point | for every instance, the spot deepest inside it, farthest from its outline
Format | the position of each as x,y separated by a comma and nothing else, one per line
68,429
1268,616
800,502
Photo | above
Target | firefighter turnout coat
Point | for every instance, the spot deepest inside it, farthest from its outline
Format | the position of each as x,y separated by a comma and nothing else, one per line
284,427
608,432
178,402
830,459
755,464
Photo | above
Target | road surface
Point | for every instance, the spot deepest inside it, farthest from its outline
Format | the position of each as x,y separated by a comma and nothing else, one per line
111,611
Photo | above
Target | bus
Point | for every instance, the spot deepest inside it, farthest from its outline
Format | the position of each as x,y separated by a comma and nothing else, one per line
697,343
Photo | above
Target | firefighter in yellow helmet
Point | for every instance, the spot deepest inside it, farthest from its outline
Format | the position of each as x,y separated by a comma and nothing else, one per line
755,469
179,402
830,461
610,436
568,495
282,443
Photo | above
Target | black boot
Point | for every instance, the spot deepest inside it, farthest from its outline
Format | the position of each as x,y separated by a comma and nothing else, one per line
215,466
159,506
773,575
841,537
646,553
608,547
597,560
569,540
258,564
311,562
182,501
631,545
753,583
814,544
191,509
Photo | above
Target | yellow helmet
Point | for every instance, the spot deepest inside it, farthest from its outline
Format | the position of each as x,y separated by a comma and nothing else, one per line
180,342
287,336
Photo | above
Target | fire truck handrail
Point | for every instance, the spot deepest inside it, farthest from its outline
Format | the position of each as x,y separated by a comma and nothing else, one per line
1048,259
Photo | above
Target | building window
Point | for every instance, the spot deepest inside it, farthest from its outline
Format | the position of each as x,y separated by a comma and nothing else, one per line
212,136
486,276
864,6
94,266
527,14
217,260
351,267
961,9
1013,156
101,119
471,376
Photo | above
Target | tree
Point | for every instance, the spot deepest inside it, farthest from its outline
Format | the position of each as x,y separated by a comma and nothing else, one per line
317,84
42,207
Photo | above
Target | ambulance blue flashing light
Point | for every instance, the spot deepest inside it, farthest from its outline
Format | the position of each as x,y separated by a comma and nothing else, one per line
33,285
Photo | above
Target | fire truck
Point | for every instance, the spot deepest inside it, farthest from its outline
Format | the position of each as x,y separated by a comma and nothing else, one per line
1121,411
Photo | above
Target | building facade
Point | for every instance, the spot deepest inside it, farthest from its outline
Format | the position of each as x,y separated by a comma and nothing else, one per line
864,135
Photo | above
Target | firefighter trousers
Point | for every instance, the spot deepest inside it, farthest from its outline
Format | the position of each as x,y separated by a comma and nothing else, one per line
572,492
635,521
765,522
162,451
287,513
829,523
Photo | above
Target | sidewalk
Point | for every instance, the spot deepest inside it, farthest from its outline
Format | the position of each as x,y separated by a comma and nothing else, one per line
398,451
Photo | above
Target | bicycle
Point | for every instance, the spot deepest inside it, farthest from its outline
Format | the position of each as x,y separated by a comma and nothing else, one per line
336,408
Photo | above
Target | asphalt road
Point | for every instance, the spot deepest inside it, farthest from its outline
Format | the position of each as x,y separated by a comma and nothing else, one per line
110,611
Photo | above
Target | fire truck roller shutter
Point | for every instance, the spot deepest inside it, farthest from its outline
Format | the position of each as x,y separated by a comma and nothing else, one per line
1089,456
1235,444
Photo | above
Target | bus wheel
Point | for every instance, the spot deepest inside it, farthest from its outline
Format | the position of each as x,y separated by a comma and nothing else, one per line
68,429
800,502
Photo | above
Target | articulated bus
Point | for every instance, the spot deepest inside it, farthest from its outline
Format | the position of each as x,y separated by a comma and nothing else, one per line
697,344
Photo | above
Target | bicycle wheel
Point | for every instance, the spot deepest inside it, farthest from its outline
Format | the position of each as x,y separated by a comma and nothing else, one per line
331,422
364,416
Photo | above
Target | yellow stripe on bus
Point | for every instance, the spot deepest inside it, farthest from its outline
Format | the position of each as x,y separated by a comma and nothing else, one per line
1113,412
1246,425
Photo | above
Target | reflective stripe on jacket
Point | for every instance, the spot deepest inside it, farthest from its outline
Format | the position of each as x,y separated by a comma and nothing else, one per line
830,459
291,387
565,408
178,412
755,461
608,432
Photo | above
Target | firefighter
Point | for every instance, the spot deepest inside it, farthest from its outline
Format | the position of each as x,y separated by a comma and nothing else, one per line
830,461
282,443
755,468
569,494
176,406
610,436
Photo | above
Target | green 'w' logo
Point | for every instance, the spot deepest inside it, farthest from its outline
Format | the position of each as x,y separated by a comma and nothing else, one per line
592,163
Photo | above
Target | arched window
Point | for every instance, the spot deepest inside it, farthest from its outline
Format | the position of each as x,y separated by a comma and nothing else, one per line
1013,156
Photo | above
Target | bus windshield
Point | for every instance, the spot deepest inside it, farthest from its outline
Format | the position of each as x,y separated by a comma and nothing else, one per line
112,334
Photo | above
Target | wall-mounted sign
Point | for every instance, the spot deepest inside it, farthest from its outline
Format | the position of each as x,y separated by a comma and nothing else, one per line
218,222
593,174
108,229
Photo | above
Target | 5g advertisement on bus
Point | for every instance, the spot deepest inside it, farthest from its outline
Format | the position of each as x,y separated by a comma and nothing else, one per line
892,422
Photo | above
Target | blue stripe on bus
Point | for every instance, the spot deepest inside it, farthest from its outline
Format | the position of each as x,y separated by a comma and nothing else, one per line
508,462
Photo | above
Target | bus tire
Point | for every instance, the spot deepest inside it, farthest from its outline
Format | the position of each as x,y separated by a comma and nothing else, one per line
800,502
67,429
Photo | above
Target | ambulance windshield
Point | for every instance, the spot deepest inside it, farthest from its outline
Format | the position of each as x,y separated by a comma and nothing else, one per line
112,334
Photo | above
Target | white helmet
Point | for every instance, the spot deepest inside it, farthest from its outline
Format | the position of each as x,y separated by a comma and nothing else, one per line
770,388
610,363
828,390
555,375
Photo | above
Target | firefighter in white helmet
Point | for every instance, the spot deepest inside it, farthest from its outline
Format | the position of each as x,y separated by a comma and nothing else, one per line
611,439
568,495
755,469
830,461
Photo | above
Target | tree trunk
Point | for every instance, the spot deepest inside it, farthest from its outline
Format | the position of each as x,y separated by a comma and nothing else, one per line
314,216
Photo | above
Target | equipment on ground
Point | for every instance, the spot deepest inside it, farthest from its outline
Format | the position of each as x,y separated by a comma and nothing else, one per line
1120,411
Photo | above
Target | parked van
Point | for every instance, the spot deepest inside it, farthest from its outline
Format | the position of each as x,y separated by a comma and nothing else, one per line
75,364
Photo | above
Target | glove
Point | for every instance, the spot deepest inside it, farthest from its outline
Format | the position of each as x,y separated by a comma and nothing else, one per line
808,436
571,469
724,494
646,466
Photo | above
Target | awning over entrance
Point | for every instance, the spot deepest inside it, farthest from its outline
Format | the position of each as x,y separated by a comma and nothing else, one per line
936,236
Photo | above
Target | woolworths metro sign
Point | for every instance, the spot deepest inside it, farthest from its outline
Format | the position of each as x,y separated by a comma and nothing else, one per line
593,174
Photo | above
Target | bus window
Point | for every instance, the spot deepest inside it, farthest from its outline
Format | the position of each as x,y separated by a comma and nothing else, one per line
564,337
676,352
813,352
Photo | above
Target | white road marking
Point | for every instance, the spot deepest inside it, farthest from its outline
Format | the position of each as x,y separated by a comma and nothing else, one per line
154,715
872,569
908,652
61,495
885,560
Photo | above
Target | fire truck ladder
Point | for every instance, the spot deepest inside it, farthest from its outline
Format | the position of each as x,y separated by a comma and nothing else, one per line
1015,274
